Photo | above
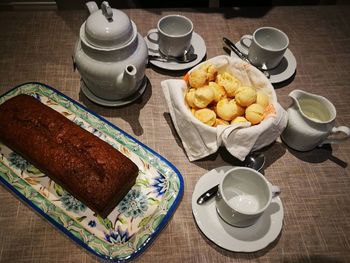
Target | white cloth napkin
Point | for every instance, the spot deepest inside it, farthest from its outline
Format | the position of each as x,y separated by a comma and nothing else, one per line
200,140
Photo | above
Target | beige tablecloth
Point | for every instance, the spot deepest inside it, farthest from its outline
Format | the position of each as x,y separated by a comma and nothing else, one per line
37,46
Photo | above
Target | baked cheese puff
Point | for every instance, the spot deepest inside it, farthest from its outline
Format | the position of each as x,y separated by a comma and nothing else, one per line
227,110
254,113
210,70
197,78
219,91
240,109
239,119
206,116
189,98
262,99
203,97
229,82
219,121
245,96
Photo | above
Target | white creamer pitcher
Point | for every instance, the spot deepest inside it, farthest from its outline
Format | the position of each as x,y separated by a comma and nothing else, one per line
311,122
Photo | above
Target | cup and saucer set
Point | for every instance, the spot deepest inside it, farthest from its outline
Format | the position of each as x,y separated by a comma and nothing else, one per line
267,49
173,35
246,214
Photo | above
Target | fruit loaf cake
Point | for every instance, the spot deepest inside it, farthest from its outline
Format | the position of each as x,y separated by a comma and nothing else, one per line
88,168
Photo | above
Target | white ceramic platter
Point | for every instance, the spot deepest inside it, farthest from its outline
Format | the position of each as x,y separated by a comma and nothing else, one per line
247,239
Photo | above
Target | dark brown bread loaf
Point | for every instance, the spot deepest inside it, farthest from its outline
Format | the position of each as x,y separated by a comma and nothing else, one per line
87,167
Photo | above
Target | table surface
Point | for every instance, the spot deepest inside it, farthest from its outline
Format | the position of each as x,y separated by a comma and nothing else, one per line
38,45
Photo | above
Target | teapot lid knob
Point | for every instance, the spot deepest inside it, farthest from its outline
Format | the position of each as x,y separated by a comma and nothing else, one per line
107,10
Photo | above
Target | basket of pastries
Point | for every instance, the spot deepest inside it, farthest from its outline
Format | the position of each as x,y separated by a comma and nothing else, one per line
224,101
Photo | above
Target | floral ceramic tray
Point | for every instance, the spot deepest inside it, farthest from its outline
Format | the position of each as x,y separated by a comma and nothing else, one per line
136,220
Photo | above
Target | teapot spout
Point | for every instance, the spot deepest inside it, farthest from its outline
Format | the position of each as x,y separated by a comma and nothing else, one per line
91,6
127,78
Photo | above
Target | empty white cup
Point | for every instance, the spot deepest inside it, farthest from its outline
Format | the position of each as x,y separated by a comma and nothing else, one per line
243,196
266,47
173,35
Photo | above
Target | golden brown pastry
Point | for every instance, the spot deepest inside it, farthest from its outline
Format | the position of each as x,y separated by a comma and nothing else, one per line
239,119
210,70
227,110
240,109
229,82
254,113
206,116
197,78
219,121
189,97
219,91
262,99
203,97
245,96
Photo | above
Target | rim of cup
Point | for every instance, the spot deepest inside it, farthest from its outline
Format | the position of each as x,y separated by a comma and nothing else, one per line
276,29
258,174
175,36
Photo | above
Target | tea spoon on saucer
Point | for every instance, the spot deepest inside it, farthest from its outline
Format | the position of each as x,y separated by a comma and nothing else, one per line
233,47
254,160
185,58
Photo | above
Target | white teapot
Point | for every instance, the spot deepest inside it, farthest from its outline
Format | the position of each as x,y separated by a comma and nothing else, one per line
110,55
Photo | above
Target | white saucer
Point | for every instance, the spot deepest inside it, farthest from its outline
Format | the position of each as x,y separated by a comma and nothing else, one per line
283,71
198,46
247,239
114,103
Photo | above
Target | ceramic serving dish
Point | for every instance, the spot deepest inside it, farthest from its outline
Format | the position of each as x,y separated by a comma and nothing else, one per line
136,220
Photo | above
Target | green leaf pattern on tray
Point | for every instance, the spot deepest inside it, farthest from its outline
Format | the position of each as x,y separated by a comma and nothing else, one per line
131,224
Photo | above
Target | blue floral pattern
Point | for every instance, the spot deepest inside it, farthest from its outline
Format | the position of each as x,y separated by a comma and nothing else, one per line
92,223
160,184
118,236
18,161
134,204
71,203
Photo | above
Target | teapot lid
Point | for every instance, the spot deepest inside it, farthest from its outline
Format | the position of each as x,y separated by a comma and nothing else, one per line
107,27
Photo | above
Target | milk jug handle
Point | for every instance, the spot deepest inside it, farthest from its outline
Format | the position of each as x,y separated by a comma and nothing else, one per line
341,129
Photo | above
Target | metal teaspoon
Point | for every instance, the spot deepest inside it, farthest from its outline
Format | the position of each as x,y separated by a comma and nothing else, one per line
233,47
185,58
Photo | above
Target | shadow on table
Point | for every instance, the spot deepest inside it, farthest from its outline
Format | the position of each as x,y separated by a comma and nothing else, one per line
222,157
130,113
318,155
271,152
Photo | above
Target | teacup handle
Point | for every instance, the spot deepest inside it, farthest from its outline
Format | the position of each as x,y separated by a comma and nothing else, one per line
153,36
243,43
275,190
341,129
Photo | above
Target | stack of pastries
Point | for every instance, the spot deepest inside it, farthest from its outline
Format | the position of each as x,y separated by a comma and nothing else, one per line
219,98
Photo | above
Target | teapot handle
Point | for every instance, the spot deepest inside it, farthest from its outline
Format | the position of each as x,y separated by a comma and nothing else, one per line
91,6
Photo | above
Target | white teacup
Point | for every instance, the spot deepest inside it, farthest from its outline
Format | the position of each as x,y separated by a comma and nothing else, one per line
173,35
266,47
243,196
